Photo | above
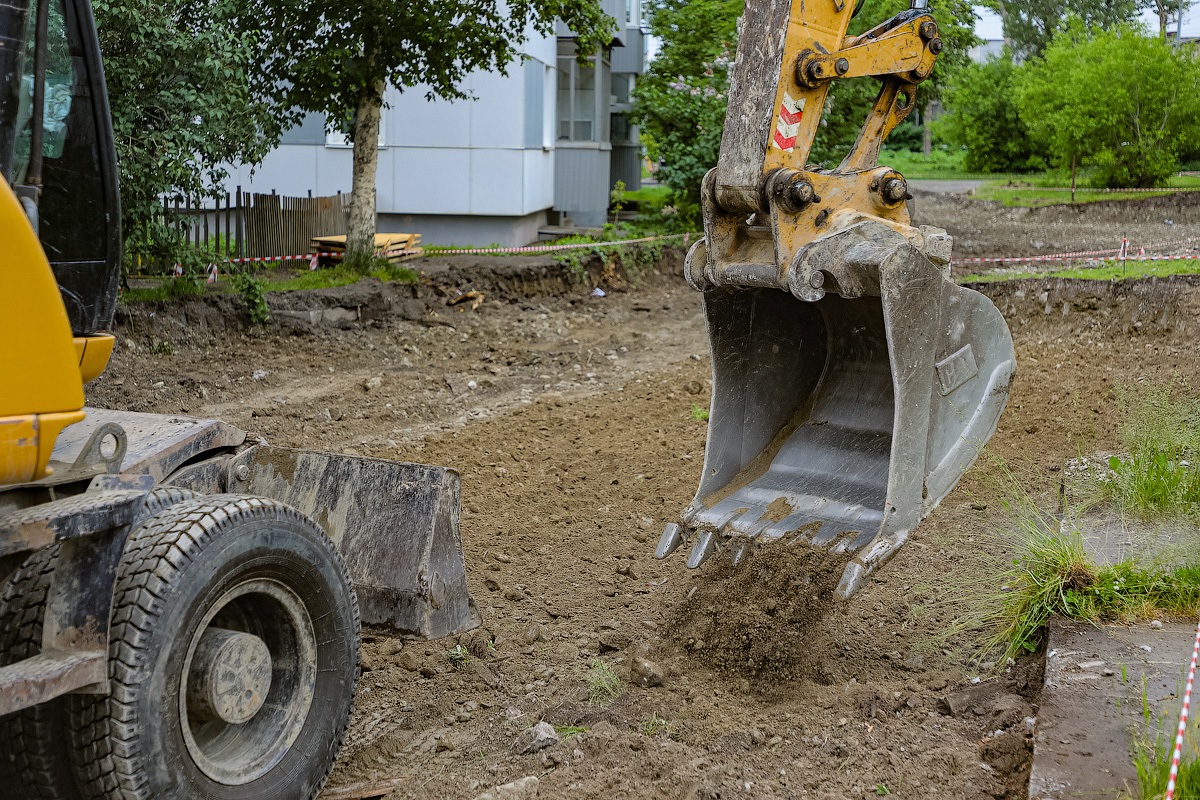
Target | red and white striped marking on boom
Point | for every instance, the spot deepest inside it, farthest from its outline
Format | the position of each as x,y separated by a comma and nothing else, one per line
1183,716
790,113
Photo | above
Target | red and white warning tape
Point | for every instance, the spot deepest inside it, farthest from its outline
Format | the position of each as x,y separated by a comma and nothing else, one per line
314,258
1119,253
1183,717
1088,190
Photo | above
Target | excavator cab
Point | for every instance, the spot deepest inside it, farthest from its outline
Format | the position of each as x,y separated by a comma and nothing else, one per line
854,382
57,151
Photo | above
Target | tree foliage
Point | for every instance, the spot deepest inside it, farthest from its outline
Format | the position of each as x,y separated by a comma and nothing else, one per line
1030,25
186,97
679,104
336,58
983,117
1118,99
849,101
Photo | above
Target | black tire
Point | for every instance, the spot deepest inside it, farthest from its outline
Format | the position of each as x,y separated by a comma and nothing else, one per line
35,764
179,570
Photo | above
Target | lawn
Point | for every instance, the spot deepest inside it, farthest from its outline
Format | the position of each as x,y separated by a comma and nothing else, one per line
1109,270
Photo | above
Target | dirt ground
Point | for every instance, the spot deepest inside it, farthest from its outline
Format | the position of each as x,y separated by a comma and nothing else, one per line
571,420
981,228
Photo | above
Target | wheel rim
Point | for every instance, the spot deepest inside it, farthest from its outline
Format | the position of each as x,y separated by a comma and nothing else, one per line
248,681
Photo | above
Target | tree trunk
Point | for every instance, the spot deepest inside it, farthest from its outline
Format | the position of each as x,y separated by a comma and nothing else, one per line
927,137
360,238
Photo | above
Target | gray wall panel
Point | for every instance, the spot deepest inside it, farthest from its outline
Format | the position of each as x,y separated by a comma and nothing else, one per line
581,183
473,231
629,58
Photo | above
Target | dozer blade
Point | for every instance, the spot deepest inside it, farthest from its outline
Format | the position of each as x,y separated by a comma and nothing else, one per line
845,410
395,524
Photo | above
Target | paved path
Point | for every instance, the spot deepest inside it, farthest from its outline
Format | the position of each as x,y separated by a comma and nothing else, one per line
1097,680
945,187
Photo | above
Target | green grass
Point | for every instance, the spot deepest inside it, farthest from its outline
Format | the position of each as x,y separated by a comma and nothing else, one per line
603,683
1051,575
1159,473
171,290
342,276
175,289
652,195
938,165
699,412
1111,270
1152,758
1025,190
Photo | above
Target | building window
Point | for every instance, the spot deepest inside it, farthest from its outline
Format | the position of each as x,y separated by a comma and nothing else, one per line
621,129
622,85
576,96
337,137
633,13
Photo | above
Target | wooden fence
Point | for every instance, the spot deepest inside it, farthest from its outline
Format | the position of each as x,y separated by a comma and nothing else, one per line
248,225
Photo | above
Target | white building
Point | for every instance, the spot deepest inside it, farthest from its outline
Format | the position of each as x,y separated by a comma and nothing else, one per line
541,145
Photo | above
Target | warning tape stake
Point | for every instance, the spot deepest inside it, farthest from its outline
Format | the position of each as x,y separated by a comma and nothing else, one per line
1183,716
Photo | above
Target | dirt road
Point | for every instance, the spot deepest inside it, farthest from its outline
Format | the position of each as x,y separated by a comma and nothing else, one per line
571,419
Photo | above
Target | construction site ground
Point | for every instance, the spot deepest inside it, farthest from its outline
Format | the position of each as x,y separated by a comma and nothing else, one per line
572,419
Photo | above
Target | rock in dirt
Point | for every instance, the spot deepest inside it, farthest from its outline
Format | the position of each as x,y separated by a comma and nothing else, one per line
646,673
372,384
611,641
539,737
487,675
391,647
534,633
526,787
408,661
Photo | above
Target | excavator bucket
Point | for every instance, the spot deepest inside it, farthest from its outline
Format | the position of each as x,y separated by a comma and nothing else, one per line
853,382
841,419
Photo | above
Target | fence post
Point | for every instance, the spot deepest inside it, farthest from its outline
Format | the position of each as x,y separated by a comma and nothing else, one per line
241,224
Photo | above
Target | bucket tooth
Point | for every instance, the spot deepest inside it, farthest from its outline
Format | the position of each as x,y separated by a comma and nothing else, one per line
741,550
705,546
669,542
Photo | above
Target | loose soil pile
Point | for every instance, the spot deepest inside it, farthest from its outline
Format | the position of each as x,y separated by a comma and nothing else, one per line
571,420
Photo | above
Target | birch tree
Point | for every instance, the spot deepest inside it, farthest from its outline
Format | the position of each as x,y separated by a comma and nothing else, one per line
337,58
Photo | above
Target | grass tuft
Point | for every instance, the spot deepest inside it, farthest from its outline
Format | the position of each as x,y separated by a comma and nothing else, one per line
568,731
458,656
654,725
1152,758
169,291
1052,574
603,683
1160,431
699,412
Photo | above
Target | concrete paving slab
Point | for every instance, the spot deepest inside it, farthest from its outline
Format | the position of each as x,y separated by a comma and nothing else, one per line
1099,680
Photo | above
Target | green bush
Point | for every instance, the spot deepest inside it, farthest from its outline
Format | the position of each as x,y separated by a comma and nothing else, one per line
1115,98
983,118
